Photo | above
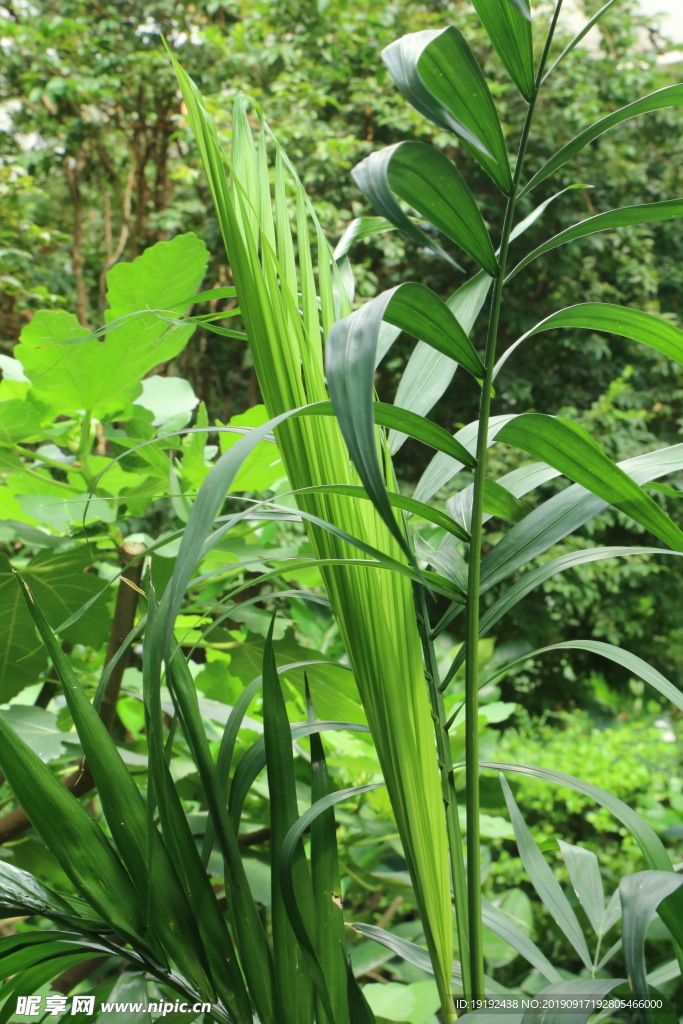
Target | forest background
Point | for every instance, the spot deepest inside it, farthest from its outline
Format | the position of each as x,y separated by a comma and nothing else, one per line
97,165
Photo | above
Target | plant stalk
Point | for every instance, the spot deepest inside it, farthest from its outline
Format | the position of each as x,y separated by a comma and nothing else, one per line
450,800
476,943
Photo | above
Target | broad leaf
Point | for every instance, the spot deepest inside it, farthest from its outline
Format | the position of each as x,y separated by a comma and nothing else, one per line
436,72
104,377
508,26
427,180
609,221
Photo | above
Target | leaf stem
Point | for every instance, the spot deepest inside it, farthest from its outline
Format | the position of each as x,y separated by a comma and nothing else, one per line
476,943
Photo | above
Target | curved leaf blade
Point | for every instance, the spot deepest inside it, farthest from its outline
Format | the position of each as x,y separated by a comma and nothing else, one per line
567,447
635,324
641,895
508,26
544,881
670,96
427,180
437,73
351,348
609,221
584,873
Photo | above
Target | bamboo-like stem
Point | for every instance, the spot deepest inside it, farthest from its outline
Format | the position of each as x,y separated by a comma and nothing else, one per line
476,944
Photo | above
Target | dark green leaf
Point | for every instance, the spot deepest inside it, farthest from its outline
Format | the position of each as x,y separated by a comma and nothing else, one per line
609,221
670,96
645,328
427,180
436,72
508,26
566,446
641,895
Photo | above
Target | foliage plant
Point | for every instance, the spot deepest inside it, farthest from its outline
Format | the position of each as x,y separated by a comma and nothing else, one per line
141,888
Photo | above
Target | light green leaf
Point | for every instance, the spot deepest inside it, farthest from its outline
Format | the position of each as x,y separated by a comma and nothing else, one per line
105,377
566,512
37,727
427,180
508,26
436,72
544,881
634,665
171,399
609,221
670,96
18,420
584,871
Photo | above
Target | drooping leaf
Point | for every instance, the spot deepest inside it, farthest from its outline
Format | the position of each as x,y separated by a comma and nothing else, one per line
609,221
427,180
508,26
645,328
560,515
351,347
566,446
437,73
633,664
669,96
508,930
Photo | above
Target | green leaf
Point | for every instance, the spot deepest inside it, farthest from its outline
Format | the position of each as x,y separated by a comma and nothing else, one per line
60,583
104,378
508,26
649,330
579,36
79,844
507,929
609,221
656,857
413,954
18,420
569,448
351,348
591,989
564,513
641,895
426,179
22,891
670,96
297,968
633,664
544,881
327,890
130,990
438,75
171,399
37,728
584,871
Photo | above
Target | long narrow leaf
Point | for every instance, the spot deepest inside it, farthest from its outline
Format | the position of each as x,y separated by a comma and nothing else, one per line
508,26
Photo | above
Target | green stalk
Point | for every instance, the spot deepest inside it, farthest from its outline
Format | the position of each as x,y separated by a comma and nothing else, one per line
450,799
476,944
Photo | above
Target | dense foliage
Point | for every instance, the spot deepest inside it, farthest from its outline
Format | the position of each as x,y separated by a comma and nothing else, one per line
107,219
